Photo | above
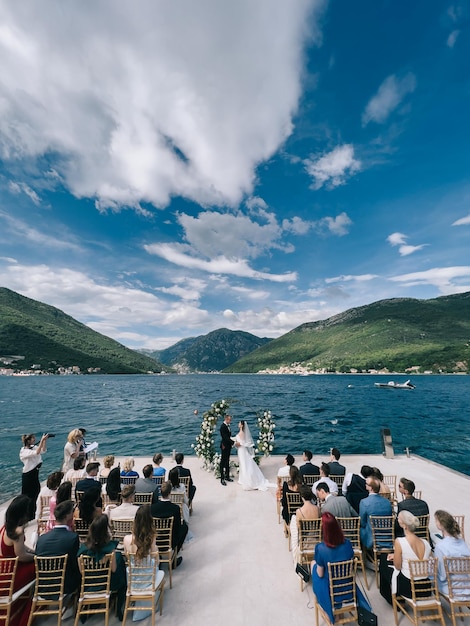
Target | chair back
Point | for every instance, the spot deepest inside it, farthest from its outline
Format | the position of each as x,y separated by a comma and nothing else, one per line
10,607
145,586
383,532
43,513
423,576
163,531
81,528
121,527
185,481
7,579
103,480
457,570
178,498
424,603
391,481
95,588
79,496
342,579
422,530
351,527
310,479
338,479
460,519
48,595
294,501
309,536
128,480
143,498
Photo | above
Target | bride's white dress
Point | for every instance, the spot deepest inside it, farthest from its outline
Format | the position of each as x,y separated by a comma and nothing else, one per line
250,476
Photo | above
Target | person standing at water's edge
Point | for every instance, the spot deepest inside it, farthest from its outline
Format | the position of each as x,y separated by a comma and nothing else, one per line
226,447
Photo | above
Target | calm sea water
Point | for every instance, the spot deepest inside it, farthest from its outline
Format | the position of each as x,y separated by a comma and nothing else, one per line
140,415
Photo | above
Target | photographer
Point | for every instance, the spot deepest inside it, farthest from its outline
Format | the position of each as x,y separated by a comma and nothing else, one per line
30,456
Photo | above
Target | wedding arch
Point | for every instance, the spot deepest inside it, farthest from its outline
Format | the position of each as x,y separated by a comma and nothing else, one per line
204,447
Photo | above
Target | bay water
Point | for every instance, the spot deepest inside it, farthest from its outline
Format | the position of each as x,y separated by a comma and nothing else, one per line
141,415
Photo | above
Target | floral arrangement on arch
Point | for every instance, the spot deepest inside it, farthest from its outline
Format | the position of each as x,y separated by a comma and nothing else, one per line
204,446
266,425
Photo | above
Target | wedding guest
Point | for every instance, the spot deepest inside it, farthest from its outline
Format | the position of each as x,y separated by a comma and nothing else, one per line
63,493
165,508
308,468
184,471
113,485
128,468
78,471
451,544
30,456
158,470
177,487
90,506
284,470
384,489
127,509
108,463
333,503
406,549
409,503
336,469
90,480
325,478
374,504
72,449
60,540
146,484
291,486
12,544
332,549
308,510
354,486
99,543
49,489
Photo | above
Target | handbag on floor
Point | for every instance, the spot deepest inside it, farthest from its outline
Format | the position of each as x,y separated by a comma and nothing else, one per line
364,616
303,572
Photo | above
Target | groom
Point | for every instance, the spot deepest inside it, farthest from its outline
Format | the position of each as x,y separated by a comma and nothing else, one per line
225,446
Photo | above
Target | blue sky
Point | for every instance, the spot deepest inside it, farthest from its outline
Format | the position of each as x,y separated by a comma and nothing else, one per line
167,169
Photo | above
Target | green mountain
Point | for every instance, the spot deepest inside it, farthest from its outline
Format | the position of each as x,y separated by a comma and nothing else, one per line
48,338
391,334
208,353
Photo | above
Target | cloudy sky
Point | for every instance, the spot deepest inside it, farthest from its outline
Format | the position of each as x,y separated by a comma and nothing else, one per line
170,168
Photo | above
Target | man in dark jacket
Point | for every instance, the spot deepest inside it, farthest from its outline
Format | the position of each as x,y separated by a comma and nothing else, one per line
165,508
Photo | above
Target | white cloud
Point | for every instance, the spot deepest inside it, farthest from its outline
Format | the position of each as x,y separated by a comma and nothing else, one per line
463,221
389,95
19,229
452,38
399,239
333,168
359,278
337,225
172,99
447,279
296,226
18,188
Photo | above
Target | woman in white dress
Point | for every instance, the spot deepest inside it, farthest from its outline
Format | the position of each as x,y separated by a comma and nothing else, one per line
250,476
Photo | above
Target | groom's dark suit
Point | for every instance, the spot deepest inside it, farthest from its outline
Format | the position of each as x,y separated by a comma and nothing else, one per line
225,446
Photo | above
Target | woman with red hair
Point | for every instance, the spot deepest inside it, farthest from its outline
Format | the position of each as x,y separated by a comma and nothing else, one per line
332,549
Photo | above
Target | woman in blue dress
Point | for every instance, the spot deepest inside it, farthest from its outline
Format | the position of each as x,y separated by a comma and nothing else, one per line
332,549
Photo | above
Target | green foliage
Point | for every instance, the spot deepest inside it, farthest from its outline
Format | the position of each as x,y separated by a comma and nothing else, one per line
393,334
48,337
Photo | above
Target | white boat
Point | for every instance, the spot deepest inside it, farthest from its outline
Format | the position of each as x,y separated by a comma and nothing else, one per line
393,385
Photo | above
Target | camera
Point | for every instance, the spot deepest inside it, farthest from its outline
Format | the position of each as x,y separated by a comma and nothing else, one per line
48,435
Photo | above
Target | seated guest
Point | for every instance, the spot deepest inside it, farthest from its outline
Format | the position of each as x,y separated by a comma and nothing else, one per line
113,484
90,506
127,509
60,540
158,470
146,484
334,504
451,544
78,471
177,487
184,471
49,489
12,544
374,504
409,503
90,480
291,486
336,469
64,493
406,549
108,463
97,545
127,468
325,478
332,549
308,467
384,489
283,471
165,508
354,486
308,510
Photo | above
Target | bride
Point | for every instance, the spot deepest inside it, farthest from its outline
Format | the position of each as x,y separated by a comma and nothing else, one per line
250,475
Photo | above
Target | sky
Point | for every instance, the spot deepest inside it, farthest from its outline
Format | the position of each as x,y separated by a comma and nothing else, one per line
171,168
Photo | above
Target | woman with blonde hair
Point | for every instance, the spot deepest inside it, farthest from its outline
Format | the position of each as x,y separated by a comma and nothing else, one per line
108,463
127,468
451,544
72,448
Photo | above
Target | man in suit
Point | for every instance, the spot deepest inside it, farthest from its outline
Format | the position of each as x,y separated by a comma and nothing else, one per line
60,540
90,480
184,471
334,504
226,447
165,508
146,484
308,467
374,504
409,503
354,486
336,469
